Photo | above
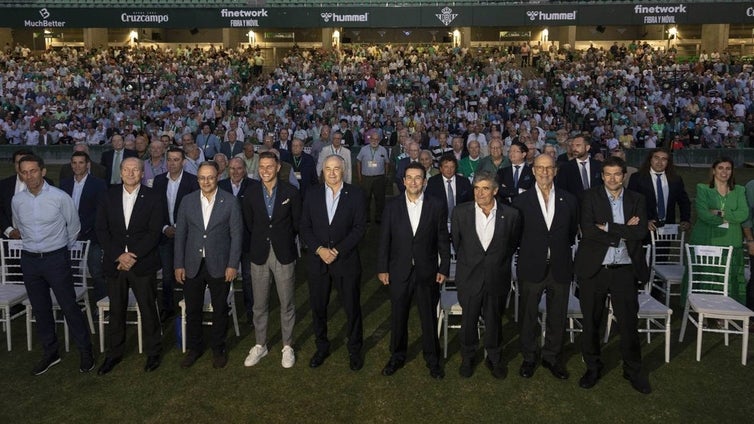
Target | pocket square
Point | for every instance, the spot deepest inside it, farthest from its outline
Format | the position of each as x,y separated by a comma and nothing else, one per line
286,201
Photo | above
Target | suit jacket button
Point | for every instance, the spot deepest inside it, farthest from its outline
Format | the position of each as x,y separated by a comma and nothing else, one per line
205,236
270,225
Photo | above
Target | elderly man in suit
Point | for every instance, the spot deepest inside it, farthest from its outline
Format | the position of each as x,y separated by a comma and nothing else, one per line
173,186
272,213
415,234
128,225
550,223
333,223
448,186
207,251
87,191
485,234
610,260
581,172
111,159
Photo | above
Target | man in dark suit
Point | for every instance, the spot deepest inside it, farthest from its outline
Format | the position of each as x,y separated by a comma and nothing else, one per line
518,177
448,186
303,166
94,168
333,223
87,192
580,173
238,183
610,260
413,156
414,233
272,213
231,147
663,199
172,186
128,225
550,223
8,188
485,234
207,251
111,159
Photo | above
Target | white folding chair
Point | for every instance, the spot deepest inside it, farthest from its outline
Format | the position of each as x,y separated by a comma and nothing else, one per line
448,307
207,308
12,290
667,260
513,292
709,272
79,266
103,305
656,315
573,314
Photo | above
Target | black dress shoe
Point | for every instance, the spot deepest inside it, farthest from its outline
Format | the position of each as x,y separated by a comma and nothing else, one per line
527,369
220,359
190,358
391,367
639,383
466,369
47,362
355,362
87,362
318,359
589,379
499,370
436,372
557,370
108,365
153,362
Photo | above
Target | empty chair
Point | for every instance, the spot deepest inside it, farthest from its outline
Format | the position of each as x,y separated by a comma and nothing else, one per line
573,314
708,274
12,290
667,260
207,308
448,307
103,305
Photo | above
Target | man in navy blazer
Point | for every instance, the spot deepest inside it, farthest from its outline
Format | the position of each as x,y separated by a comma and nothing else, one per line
128,225
333,222
518,177
238,184
272,213
304,167
550,223
485,234
173,186
87,191
572,173
659,164
108,159
413,150
207,251
437,186
413,235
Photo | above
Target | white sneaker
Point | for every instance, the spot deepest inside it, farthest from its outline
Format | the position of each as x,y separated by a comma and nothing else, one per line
255,354
289,357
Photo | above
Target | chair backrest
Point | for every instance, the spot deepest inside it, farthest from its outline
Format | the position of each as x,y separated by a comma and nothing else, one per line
667,245
646,287
10,262
708,268
79,265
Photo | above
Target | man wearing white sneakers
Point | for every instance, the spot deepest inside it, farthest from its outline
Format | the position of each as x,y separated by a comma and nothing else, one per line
272,211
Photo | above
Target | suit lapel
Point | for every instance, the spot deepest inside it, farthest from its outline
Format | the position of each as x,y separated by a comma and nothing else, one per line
424,217
216,210
344,198
138,205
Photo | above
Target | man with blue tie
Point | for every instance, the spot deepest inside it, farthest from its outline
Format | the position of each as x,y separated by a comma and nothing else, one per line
518,177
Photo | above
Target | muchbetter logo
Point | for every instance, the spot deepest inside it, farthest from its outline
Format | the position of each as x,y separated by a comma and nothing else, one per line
337,17
44,13
446,16
44,22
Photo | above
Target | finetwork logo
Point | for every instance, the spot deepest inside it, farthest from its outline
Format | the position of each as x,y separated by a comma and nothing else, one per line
539,15
244,18
446,16
336,17
44,22
658,10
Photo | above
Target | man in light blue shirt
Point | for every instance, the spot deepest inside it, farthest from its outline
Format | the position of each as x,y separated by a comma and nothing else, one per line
49,224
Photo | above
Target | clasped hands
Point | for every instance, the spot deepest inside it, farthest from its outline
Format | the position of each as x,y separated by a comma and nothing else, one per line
384,278
327,255
125,261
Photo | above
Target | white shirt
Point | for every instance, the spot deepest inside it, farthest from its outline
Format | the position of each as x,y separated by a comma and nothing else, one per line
78,188
236,187
414,211
128,203
207,206
172,195
485,225
548,209
20,185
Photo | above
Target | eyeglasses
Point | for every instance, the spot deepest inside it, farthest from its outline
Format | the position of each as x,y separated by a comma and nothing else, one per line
545,168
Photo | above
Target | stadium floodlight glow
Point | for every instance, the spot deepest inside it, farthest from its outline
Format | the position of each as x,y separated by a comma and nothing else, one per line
672,31
545,34
134,36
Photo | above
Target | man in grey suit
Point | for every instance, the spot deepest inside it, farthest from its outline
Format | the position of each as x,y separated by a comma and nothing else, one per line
207,253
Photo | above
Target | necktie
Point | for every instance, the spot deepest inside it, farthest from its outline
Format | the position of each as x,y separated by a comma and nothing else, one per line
660,199
451,199
116,167
584,176
515,176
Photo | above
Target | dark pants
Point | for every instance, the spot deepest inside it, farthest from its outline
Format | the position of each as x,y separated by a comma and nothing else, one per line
427,294
349,289
94,262
491,309
53,271
166,247
621,285
374,186
193,294
555,325
145,291
248,293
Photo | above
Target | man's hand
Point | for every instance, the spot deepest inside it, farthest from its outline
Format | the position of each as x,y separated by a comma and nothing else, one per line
169,232
633,221
14,234
685,225
384,278
652,225
125,261
230,274
440,278
327,256
180,275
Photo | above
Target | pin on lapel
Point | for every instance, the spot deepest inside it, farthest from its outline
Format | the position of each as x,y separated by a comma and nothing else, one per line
560,199
286,201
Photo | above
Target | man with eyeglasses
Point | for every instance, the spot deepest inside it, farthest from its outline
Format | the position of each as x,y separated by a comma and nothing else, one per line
550,224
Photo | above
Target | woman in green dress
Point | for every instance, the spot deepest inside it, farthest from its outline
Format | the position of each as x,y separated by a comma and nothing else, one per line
721,207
